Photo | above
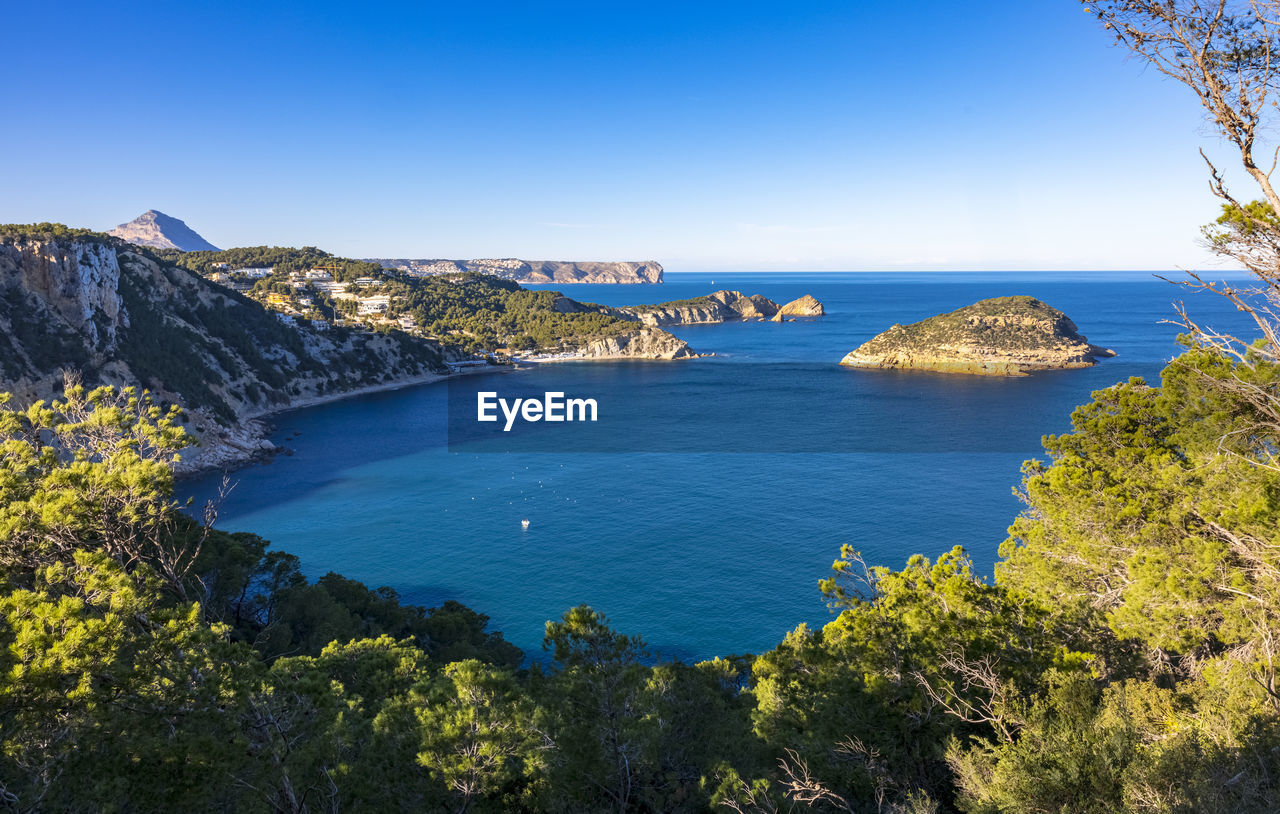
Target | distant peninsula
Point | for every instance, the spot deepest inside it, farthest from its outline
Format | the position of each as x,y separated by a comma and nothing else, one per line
1003,336
534,271
156,230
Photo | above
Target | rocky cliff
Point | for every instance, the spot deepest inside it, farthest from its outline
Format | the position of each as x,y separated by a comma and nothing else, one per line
535,271
806,306
157,230
644,343
84,303
1004,336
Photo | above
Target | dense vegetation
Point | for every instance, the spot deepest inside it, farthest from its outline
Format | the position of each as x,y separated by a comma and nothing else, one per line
496,313
1124,658
10,232
283,260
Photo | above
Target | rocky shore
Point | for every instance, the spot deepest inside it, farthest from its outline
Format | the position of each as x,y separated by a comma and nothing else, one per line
248,442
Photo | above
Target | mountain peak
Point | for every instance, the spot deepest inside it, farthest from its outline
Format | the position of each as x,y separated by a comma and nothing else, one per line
160,231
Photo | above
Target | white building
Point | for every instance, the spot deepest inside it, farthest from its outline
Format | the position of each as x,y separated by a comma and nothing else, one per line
367,306
331,288
256,272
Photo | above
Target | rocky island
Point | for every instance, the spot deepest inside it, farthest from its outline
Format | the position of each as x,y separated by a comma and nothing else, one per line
721,306
650,342
1003,336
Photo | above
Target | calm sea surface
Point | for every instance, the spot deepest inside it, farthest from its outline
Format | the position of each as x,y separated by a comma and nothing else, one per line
712,494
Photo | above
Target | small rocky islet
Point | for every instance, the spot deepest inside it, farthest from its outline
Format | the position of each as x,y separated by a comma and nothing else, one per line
1002,336
723,306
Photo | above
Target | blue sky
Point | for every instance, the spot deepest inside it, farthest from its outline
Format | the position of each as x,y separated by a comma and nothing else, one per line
870,134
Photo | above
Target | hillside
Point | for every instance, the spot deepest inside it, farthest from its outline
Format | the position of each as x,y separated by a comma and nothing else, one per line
159,231
1002,336
79,302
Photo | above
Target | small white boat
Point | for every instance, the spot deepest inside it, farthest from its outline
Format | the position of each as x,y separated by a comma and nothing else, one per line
524,524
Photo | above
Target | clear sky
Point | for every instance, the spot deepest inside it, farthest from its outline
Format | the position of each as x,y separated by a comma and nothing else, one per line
850,135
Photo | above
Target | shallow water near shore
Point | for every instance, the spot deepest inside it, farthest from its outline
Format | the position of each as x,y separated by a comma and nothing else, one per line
715,492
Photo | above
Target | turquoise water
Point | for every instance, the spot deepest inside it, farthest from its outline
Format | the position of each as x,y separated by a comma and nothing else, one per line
730,483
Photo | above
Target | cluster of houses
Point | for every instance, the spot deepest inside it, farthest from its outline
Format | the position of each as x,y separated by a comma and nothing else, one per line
371,307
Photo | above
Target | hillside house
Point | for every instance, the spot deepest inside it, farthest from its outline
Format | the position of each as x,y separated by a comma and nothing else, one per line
367,306
331,288
255,273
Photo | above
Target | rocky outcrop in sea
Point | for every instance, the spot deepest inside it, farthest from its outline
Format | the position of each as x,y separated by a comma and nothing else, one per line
1004,336
721,306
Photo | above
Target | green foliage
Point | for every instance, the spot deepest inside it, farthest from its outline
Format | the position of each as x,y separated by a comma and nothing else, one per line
494,313
1071,756
282,259
12,232
477,734
1123,660
1245,220
1155,518
47,343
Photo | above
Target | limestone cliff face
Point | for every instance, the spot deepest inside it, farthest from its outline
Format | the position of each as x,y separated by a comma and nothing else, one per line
159,231
717,307
1004,336
536,271
709,313
79,282
644,343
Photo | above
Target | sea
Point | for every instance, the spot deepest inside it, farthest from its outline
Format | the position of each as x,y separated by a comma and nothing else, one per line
710,495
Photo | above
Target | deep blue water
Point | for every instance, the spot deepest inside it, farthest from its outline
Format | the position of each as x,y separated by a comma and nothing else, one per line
731,482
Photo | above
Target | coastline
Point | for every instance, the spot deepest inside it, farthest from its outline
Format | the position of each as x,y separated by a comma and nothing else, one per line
247,443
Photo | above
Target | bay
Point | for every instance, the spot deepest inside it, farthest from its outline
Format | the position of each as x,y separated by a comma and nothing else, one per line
712,494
